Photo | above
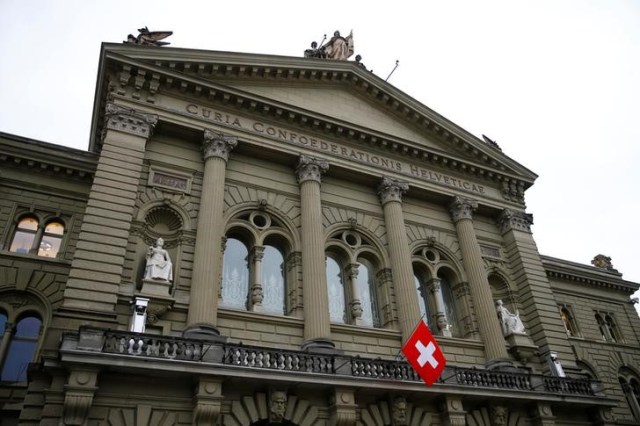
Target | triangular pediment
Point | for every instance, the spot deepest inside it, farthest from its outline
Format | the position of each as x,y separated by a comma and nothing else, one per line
339,103
336,97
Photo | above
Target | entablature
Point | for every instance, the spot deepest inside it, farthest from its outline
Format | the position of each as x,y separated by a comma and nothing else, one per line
143,78
44,157
584,274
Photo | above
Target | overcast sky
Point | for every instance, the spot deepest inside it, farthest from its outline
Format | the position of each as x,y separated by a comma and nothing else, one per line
555,83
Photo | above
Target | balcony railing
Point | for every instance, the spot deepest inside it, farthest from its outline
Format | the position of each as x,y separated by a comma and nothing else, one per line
253,357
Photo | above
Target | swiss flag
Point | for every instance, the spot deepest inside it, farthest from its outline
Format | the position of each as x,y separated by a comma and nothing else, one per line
424,354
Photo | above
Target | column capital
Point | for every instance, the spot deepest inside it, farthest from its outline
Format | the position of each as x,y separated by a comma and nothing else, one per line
462,208
515,221
310,168
217,145
391,190
128,120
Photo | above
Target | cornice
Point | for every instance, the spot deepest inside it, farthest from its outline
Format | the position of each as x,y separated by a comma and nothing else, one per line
193,73
589,275
46,157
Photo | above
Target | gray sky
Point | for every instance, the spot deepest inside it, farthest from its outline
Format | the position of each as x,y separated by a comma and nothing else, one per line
555,83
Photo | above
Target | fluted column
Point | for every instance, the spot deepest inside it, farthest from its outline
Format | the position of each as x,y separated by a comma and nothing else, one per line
205,280
317,332
462,213
390,192
98,263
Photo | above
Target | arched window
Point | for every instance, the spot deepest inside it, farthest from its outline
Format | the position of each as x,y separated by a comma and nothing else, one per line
31,237
423,300
254,273
631,387
235,275
366,292
335,287
21,347
568,320
434,279
352,270
273,280
607,326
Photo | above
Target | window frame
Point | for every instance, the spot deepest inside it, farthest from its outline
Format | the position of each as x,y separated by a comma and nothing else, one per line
43,219
14,317
257,230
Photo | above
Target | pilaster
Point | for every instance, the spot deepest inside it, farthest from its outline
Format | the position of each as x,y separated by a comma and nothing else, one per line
207,259
317,331
343,407
390,192
96,271
543,321
462,214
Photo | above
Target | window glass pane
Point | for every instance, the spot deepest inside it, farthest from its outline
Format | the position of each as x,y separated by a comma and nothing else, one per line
366,288
423,301
235,275
49,246
449,305
335,289
3,323
28,327
273,280
18,358
56,228
22,242
28,223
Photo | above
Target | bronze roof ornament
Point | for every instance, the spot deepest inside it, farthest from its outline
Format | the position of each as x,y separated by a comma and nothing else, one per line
148,38
603,262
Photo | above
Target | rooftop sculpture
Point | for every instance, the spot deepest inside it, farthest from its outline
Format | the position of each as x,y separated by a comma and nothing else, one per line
337,48
148,38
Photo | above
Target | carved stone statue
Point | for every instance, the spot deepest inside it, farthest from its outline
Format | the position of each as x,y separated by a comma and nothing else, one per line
338,47
148,38
511,323
278,406
159,266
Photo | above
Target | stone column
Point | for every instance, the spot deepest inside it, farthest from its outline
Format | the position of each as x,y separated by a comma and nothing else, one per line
355,304
207,259
96,270
442,322
495,346
257,293
317,332
545,326
390,192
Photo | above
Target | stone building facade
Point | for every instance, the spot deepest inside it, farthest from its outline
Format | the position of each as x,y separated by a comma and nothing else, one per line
250,239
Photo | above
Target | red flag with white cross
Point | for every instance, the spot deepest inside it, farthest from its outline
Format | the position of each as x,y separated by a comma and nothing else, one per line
424,354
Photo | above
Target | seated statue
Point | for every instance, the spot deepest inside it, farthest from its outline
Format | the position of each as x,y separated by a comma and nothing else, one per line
511,323
159,265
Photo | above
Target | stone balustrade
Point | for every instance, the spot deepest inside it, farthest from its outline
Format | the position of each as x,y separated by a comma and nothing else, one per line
228,355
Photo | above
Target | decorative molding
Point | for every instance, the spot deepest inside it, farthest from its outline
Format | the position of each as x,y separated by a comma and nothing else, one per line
129,121
217,145
462,208
391,190
515,221
310,168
